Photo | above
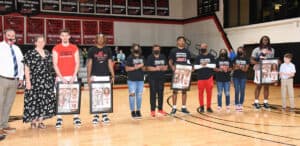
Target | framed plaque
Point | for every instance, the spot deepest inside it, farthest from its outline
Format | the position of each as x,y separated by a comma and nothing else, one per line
162,7
207,7
103,6
75,30
28,7
87,7
181,79
118,6
53,26
267,72
35,27
7,6
149,7
134,7
68,99
69,5
90,29
50,5
16,23
101,97
107,28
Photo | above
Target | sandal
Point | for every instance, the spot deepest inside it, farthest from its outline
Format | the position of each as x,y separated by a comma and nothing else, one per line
42,126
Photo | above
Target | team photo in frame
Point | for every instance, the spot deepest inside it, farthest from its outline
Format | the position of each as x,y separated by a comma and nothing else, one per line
68,98
101,97
181,79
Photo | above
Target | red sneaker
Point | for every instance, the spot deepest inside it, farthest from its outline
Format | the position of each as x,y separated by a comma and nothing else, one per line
162,112
152,113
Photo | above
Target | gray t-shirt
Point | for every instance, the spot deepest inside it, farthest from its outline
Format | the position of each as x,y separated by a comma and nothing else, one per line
257,51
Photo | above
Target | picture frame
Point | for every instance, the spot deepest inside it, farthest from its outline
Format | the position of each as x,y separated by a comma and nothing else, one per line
101,97
181,79
267,71
68,98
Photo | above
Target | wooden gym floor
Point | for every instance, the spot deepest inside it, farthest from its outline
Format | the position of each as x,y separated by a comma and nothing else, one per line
248,128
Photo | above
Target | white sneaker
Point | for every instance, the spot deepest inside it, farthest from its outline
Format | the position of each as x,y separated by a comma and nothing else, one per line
227,109
219,109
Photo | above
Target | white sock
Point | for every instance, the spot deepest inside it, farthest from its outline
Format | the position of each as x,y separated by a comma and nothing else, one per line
174,106
183,106
76,116
59,117
265,101
256,101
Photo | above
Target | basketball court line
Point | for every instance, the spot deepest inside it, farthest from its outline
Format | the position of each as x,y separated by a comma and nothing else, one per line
236,133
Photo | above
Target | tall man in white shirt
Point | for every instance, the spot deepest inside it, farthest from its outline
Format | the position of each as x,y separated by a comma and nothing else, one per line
11,77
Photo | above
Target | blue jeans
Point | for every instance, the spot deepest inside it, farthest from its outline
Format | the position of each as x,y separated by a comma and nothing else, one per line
135,94
226,87
239,89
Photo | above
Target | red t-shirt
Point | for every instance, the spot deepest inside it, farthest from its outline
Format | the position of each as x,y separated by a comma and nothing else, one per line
66,59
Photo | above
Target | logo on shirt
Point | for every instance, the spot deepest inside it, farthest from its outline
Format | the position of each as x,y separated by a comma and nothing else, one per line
159,62
206,60
137,61
240,62
66,54
101,56
224,63
181,57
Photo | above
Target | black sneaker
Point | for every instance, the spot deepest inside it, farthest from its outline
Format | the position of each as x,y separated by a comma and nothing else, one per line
105,119
77,121
173,112
209,110
266,106
185,111
59,123
138,114
200,109
256,106
133,114
95,119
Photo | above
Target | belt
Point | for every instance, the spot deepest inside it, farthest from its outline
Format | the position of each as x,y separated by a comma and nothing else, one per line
8,78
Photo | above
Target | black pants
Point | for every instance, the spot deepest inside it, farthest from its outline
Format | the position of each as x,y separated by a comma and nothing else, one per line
156,91
84,61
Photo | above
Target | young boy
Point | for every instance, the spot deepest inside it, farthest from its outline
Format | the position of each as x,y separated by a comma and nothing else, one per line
287,72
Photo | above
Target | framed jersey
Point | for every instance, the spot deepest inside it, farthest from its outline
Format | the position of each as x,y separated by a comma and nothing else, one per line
68,98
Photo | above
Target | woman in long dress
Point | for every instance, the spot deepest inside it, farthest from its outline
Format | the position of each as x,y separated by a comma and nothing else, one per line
39,98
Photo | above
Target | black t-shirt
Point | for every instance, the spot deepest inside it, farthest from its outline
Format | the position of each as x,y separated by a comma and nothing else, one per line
242,62
225,64
180,56
100,57
136,75
152,61
204,73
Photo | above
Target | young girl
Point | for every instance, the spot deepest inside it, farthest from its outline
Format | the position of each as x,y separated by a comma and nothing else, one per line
134,68
223,69
240,67
287,72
